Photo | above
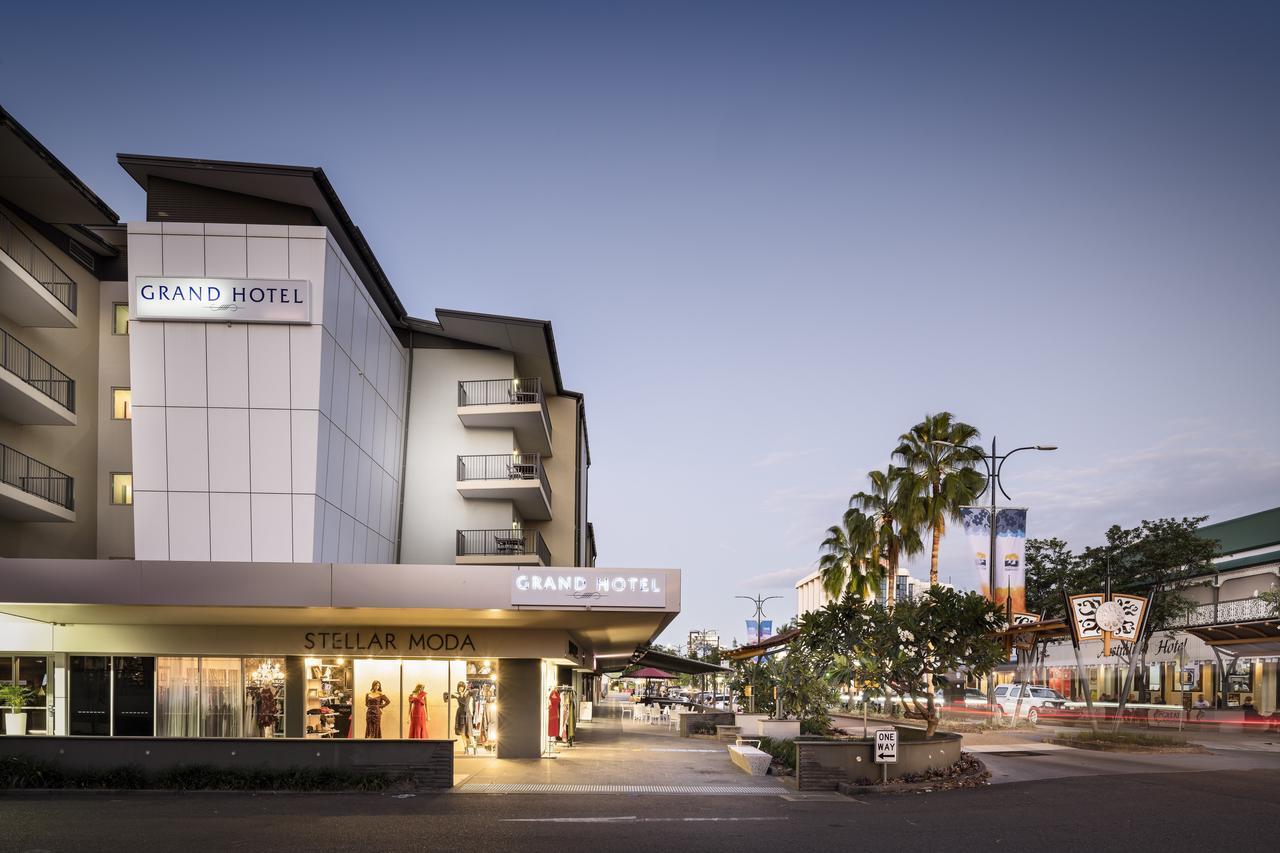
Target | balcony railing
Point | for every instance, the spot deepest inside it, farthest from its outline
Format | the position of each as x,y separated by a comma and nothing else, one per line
17,358
35,478
503,543
504,392
38,265
1233,611
504,466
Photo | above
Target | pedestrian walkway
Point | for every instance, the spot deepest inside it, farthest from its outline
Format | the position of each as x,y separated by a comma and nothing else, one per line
616,756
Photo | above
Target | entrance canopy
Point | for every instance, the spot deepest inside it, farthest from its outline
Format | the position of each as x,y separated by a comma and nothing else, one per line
659,661
1246,639
769,645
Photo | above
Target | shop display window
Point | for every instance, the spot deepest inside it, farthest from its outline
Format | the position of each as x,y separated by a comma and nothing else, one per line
221,697
178,697
31,672
89,694
264,696
134,696
329,698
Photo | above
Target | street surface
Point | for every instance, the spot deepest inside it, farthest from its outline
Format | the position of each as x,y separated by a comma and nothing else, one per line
1174,811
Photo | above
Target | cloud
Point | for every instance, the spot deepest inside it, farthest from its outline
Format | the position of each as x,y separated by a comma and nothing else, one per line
779,456
781,579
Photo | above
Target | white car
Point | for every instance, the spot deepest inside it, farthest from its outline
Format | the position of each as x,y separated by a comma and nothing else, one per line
1032,697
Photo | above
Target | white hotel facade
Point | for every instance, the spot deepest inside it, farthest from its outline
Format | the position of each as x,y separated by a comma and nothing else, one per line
222,433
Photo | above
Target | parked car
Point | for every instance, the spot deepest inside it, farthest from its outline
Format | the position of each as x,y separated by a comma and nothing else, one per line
1028,700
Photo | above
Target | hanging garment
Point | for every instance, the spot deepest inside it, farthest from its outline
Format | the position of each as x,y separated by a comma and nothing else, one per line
373,714
568,714
460,716
267,708
418,716
553,714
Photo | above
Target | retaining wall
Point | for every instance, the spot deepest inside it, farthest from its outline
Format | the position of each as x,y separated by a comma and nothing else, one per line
822,763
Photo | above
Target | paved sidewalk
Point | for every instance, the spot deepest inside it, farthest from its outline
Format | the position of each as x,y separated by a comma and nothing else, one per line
616,756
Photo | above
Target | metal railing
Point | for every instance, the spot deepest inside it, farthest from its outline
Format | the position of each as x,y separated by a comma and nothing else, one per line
504,466
38,265
503,543
1233,611
36,478
17,358
504,392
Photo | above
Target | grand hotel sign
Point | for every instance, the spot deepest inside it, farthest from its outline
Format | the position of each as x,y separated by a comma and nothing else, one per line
238,300
583,587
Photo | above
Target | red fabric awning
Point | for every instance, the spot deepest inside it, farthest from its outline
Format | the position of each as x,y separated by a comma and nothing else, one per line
648,672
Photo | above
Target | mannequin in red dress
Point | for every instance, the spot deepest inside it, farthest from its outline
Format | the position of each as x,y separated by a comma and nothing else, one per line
418,713
553,714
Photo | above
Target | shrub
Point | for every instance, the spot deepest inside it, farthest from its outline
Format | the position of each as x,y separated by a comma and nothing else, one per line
1126,738
783,751
18,772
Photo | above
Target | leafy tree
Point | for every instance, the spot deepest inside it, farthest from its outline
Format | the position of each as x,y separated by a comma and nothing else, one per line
803,691
940,451
900,647
850,561
898,513
1051,568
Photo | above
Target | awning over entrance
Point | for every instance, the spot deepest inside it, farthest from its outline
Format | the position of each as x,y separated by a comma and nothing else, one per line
767,646
668,663
1245,639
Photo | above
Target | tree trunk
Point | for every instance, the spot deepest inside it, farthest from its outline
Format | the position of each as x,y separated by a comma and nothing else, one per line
931,721
891,582
933,557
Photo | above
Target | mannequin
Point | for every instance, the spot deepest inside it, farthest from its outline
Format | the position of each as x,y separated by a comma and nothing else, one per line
461,725
266,711
374,701
553,714
418,713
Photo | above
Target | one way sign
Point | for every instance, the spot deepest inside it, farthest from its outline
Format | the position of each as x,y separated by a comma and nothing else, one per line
886,746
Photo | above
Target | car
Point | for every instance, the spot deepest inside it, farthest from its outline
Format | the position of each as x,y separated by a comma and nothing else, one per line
1028,701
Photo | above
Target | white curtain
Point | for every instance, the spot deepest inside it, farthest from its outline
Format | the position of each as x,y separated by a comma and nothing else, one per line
1265,696
177,697
222,697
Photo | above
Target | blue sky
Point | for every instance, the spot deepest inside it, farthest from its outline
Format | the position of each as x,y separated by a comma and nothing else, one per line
772,236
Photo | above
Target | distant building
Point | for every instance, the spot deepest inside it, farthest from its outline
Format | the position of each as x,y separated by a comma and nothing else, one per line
811,596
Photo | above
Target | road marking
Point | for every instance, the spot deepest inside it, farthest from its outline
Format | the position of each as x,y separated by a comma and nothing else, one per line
634,819
673,749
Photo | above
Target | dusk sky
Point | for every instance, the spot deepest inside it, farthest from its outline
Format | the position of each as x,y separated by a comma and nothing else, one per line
771,237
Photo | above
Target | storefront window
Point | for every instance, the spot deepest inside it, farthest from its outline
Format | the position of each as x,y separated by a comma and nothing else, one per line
177,697
31,672
221,697
89,692
134,697
264,697
329,705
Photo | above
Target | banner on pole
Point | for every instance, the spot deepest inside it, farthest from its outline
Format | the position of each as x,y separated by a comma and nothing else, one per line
1010,556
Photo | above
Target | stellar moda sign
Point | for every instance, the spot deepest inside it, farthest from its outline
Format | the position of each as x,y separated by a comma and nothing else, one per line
549,586
233,300
387,641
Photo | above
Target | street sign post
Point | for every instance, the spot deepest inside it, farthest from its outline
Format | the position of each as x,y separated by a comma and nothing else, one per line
886,750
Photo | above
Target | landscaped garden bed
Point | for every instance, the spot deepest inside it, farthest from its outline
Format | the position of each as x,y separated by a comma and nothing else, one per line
1127,742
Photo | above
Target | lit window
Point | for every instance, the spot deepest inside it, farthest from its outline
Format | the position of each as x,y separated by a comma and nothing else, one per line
120,318
121,404
122,489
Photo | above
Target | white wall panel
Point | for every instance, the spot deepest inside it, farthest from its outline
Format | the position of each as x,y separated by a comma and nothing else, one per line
270,454
304,366
268,366
329,538
268,257
187,433
150,525
146,363
229,451
305,508
227,345
229,523
225,257
183,255
184,364
189,526
272,519
304,438
346,304
150,455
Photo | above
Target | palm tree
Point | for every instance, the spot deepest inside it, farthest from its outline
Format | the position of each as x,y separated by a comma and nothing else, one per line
940,451
851,557
896,507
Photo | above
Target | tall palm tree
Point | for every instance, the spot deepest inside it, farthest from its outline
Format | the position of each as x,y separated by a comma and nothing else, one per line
941,452
896,507
850,561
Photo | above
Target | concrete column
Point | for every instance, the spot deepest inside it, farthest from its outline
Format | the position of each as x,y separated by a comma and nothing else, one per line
295,697
519,708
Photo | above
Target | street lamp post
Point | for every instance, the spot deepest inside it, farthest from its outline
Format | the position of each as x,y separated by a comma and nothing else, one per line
759,603
993,463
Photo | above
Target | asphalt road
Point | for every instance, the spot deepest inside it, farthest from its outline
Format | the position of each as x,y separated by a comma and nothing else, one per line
1193,811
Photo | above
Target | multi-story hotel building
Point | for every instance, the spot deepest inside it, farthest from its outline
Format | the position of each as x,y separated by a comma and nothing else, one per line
233,464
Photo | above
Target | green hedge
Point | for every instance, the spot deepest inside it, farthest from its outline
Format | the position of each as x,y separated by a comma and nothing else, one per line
783,751
21,772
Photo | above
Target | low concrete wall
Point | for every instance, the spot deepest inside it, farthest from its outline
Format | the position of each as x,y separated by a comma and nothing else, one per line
430,761
706,719
822,763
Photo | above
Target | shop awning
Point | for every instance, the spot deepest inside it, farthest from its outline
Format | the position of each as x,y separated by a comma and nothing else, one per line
649,672
1245,639
769,645
665,662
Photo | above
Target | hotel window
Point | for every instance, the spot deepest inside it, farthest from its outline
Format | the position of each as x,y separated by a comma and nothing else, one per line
121,488
120,318
121,404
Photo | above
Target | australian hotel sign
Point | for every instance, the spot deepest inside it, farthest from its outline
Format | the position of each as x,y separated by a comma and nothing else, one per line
588,588
231,300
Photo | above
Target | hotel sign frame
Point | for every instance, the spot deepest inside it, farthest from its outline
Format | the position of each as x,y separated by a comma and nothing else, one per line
228,300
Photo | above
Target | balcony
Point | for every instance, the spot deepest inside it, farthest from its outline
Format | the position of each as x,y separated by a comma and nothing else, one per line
32,491
516,477
516,404
1231,612
513,547
33,391
34,291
